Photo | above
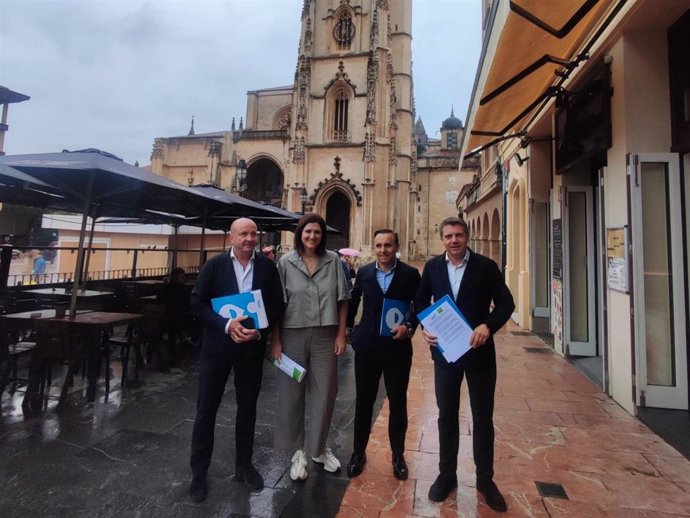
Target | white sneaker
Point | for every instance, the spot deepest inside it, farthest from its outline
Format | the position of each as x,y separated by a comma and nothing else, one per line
330,463
298,470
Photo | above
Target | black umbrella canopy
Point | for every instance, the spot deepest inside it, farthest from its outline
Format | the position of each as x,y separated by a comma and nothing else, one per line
106,185
19,188
229,207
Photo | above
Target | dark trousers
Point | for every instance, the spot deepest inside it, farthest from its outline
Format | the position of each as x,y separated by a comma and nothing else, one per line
247,362
394,361
481,383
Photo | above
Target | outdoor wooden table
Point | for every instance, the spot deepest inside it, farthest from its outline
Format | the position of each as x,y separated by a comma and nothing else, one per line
98,323
101,322
38,314
91,298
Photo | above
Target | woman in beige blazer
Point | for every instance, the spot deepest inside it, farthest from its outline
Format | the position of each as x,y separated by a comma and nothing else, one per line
313,335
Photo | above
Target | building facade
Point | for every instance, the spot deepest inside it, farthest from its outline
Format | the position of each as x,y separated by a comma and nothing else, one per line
338,141
583,106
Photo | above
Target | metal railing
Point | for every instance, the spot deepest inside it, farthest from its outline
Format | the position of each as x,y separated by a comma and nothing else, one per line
23,266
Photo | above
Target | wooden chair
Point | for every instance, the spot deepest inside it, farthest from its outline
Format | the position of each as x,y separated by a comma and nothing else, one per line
13,352
145,337
60,341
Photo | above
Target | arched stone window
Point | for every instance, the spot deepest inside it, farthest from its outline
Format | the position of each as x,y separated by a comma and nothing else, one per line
338,117
344,30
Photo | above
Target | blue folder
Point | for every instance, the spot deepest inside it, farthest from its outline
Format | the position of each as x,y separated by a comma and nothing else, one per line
250,304
392,315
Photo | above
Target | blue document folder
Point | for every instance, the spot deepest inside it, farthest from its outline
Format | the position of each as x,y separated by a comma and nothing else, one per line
250,304
392,315
446,321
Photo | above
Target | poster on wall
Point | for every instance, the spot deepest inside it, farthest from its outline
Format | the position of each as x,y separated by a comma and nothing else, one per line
617,258
557,251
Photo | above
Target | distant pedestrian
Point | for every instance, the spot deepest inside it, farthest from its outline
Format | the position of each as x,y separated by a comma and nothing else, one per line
270,252
39,266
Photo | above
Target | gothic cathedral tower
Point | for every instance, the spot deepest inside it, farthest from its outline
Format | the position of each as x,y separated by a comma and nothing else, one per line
352,153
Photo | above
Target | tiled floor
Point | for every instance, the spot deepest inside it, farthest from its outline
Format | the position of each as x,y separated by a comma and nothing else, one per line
127,455
552,425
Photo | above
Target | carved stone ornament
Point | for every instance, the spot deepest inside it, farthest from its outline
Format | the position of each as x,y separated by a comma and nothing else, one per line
372,76
382,4
308,35
284,120
298,151
158,148
393,152
305,8
374,34
336,178
369,148
214,148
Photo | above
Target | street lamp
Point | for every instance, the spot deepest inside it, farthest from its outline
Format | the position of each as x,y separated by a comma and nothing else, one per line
303,197
241,175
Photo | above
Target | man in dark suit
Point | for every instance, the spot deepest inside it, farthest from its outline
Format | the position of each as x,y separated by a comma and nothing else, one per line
474,282
229,344
387,278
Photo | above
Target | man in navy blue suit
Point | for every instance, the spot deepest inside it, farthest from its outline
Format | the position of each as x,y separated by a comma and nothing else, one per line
474,282
386,278
230,344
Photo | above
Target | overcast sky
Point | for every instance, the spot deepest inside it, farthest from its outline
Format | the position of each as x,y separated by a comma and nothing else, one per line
115,74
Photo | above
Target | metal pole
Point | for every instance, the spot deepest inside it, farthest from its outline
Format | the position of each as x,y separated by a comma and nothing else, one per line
80,253
90,247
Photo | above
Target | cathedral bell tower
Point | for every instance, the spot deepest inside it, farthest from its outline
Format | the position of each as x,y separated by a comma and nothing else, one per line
352,149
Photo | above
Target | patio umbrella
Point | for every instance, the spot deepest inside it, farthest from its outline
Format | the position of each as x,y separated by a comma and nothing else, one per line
96,185
349,251
18,188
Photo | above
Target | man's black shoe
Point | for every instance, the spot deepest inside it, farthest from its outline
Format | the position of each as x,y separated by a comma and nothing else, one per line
356,464
198,488
250,476
441,488
399,467
493,496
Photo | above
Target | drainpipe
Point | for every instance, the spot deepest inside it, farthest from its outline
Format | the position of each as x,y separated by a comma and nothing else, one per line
501,172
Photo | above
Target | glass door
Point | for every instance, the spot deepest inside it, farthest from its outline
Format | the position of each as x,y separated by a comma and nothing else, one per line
658,281
541,275
579,258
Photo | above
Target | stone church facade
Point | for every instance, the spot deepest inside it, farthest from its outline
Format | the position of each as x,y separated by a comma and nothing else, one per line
339,141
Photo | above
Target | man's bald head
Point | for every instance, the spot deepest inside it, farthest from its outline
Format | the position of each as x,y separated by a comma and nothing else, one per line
243,237
240,222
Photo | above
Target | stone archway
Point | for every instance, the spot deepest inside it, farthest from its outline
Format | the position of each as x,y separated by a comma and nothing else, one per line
264,182
338,209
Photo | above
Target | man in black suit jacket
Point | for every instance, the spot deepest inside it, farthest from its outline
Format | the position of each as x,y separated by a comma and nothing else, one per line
229,344
387,278
474,282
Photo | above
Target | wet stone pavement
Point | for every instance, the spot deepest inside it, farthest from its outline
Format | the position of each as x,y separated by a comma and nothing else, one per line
129,455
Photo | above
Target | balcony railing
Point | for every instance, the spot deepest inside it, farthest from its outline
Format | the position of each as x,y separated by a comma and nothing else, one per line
340,135
259,135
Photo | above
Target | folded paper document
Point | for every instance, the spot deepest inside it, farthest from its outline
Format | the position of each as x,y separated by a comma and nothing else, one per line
250,304
392,315
444,320
290,367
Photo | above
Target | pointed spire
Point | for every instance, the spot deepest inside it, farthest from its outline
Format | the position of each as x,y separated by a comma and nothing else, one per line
232,126
136,163
452,111
241,124
191,129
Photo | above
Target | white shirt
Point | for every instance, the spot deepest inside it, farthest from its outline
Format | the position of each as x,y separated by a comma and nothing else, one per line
455,273
244,277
